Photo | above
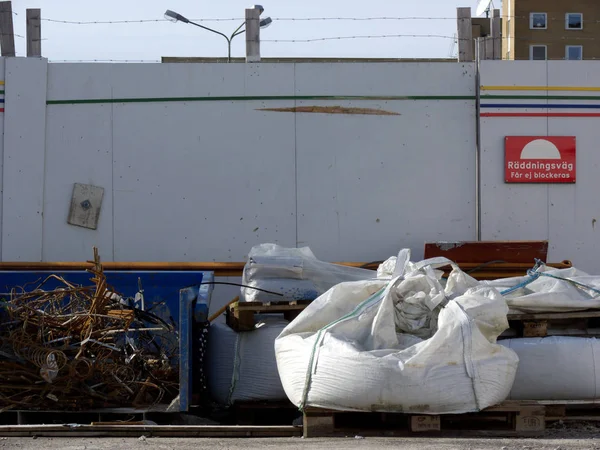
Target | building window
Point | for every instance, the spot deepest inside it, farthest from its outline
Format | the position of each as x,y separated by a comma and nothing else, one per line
574,21
538,21
537,52
574,52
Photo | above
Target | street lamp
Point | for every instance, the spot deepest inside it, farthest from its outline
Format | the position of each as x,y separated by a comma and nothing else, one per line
175,17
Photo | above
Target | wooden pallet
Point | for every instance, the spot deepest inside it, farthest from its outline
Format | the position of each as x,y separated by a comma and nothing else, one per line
581,323
572,410
240,315
507,419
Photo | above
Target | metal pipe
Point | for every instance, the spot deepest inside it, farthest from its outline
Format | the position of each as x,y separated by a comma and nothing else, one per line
221,269
478,139
214,266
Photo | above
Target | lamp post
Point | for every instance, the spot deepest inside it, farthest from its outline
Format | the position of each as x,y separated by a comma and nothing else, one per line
175,17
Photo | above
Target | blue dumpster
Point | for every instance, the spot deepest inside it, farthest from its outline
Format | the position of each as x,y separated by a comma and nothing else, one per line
178,297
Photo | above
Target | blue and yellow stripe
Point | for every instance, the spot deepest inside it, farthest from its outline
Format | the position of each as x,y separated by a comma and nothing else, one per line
549,106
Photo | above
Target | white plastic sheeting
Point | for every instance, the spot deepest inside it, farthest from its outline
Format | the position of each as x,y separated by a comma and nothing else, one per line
550,290
401,344
294,273
556,368
241,366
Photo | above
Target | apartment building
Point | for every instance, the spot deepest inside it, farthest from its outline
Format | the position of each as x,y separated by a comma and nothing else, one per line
551,29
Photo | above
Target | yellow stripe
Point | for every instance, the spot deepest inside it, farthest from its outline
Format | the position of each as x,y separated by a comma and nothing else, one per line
541,88
1,83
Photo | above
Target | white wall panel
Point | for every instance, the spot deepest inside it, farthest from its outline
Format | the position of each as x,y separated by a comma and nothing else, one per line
23,169
78,150
203,180
574,210
370,185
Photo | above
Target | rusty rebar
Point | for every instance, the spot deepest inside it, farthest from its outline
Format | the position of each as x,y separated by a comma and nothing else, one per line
78,347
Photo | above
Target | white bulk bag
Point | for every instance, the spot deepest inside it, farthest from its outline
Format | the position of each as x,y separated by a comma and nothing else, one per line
556,368
550,290
404,345
241,366
294,273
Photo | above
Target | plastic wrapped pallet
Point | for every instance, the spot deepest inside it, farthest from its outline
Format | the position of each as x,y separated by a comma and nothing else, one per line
294,273
556,368
241,366
546,289
404,344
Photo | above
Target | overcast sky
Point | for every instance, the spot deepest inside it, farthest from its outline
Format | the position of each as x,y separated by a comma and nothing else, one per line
150,41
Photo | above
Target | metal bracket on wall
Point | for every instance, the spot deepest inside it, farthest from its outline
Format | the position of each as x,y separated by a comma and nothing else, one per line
86,203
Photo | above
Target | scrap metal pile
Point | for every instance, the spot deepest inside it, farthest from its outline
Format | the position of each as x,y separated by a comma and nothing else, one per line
82,347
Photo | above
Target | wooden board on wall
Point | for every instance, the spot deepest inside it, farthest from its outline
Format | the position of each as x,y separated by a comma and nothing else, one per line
486,251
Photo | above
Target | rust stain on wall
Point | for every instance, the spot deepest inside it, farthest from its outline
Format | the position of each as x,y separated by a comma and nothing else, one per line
333,110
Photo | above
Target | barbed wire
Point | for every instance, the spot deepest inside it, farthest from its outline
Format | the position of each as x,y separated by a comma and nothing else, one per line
565,39
110,22
383,18
561,39
298,19
430,36
337,38
390,18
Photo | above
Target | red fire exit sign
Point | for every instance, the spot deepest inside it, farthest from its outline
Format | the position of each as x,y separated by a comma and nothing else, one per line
540,159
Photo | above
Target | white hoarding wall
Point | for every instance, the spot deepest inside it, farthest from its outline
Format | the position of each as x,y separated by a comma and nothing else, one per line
199,162
538,98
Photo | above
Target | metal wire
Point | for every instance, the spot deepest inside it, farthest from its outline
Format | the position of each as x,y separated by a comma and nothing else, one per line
82,368
586,19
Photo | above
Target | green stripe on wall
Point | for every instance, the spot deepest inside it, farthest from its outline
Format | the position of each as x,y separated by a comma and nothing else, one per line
317,97
255,98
